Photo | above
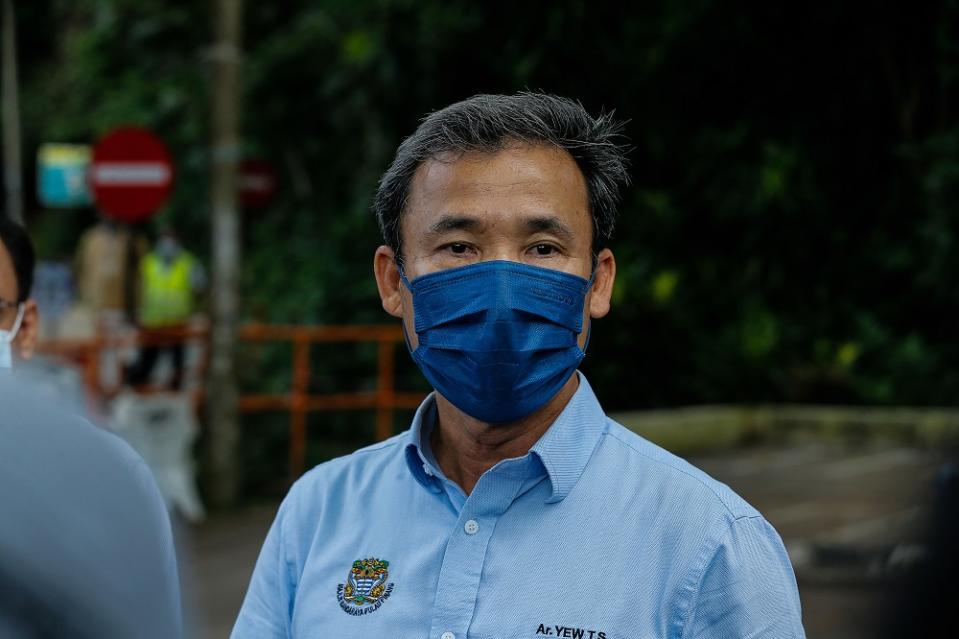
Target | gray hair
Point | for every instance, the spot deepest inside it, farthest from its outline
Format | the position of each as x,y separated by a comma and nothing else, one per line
489,123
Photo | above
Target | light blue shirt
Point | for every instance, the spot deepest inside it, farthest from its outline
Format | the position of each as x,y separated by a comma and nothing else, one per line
594,534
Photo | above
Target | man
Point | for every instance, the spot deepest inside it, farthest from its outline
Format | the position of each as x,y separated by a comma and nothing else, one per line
105,267
512,507
170,278
20,325
85,543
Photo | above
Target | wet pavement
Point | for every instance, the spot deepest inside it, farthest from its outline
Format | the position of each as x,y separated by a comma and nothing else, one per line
851,519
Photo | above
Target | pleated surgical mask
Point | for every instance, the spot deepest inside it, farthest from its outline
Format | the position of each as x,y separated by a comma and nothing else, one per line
498,339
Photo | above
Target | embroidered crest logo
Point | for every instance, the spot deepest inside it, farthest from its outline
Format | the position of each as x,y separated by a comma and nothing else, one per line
365,589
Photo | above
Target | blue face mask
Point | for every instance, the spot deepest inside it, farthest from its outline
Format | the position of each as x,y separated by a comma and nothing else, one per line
498,339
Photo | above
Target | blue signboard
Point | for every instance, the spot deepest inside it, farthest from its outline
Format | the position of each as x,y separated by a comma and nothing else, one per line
62,175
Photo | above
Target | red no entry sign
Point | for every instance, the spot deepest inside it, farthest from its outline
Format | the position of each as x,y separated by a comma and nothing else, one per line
131,174
257,183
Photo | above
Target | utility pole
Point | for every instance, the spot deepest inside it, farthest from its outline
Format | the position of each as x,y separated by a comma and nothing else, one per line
12,169
223,397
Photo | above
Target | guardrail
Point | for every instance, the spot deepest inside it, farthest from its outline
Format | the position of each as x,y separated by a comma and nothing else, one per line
384,400
298,401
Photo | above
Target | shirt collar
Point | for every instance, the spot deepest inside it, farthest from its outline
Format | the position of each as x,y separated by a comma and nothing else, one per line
564,449
567,446
418,455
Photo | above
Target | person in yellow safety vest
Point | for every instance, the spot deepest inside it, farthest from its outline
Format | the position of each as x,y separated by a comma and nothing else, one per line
170,279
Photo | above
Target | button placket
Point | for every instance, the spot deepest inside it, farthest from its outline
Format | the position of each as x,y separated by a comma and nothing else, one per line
465,556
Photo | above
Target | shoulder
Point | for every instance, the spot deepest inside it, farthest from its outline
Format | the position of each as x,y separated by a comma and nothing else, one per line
352,476
81,467
657,467
35,426
733,559
67,457
59,473
361,460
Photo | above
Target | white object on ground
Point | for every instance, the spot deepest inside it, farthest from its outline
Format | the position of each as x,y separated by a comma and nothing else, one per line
162,428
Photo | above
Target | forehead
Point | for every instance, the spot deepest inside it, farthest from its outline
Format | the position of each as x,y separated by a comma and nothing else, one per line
511,184
8,276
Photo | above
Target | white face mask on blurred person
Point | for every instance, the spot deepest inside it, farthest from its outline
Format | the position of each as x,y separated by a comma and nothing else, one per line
6,340
168,249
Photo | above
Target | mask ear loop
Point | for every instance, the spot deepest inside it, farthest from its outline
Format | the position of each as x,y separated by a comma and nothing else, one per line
16,324
589,334
409,287
589,286
399,267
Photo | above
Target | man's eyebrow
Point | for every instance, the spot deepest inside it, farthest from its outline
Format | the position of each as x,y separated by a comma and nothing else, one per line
448,223
458,222
550,224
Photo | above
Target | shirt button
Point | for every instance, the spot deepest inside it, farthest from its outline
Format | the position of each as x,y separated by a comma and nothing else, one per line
448,635
471,528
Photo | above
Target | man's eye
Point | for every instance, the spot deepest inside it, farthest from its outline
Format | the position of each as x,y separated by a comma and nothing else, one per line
544,249
458,249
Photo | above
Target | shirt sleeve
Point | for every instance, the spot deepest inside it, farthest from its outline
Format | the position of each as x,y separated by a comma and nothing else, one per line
747,588
267,608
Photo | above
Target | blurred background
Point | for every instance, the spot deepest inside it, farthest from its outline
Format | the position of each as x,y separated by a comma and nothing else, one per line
786,306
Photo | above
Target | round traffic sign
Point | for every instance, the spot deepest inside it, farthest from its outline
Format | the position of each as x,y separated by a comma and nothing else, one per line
131,174
257,183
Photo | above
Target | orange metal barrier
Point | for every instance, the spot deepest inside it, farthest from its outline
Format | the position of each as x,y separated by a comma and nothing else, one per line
298,401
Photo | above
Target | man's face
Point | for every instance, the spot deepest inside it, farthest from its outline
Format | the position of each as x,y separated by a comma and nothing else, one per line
524,204
9,293
8,290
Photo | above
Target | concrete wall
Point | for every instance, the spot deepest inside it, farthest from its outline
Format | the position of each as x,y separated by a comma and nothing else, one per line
703,428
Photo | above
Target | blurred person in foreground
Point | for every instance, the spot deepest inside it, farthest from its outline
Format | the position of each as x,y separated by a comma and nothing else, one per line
20,325
85,543
513,507
170,280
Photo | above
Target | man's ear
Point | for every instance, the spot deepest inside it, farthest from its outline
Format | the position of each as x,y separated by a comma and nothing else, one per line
26,339
603,279
388,280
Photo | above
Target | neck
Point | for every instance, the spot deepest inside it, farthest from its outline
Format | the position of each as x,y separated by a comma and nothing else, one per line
466,447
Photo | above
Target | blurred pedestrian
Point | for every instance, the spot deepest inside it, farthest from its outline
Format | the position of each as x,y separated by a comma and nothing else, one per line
170,280
106,273
106,264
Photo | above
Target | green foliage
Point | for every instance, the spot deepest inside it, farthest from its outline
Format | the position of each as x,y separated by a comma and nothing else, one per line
790,235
